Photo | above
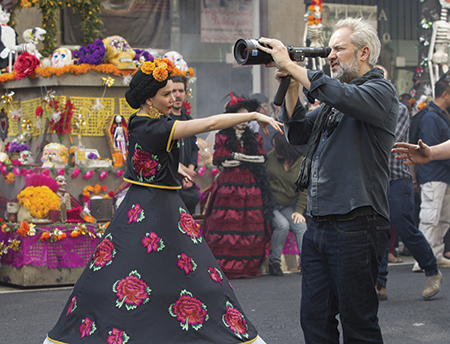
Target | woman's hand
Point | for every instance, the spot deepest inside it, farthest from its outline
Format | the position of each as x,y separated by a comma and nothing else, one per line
264,121
297,217
188,175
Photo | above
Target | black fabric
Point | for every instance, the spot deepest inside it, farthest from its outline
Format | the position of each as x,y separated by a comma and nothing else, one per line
327,120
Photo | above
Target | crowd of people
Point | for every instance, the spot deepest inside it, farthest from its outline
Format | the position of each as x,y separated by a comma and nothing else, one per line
331,176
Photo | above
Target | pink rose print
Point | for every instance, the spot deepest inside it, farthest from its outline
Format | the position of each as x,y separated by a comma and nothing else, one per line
104,253
235,321
215,274
145,164
87,327
72,306
135,214
189,311
188,226
132,291
186,263
117,337
153,242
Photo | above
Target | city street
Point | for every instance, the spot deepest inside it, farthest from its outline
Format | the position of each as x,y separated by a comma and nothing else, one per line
272,304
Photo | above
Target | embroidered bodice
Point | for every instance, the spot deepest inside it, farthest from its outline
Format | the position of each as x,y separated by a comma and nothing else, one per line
152,154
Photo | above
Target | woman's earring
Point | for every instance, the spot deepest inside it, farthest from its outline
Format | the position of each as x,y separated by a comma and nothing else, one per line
153,112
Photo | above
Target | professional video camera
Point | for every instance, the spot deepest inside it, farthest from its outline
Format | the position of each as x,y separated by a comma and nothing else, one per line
246,52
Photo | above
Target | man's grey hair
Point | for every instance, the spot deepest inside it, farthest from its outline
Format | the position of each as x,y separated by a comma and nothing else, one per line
363,35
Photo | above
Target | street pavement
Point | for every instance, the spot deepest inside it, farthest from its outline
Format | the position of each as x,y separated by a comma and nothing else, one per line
271,303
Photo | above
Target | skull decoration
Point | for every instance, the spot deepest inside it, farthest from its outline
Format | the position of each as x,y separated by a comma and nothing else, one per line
119,52
26,157
55,153
177,60
61,57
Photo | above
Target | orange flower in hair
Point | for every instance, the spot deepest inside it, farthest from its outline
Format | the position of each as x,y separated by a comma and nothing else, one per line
160,74
148,67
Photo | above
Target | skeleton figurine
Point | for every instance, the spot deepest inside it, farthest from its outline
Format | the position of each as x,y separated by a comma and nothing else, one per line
440,38
314,28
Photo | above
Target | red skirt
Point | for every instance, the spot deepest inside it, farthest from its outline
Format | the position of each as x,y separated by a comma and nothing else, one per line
234,224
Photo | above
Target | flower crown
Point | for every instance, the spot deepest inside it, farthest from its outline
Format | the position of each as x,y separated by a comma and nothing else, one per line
161,69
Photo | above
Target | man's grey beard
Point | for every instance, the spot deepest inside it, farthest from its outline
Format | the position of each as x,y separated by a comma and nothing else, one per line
347,72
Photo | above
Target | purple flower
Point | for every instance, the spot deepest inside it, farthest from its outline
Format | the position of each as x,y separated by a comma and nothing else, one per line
14,146
91,54
92,156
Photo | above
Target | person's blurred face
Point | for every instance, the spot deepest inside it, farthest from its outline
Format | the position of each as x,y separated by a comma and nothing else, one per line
263,108
163,99
241,126
179,95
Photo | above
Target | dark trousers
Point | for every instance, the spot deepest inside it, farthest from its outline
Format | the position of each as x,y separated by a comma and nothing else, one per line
340,266
401,204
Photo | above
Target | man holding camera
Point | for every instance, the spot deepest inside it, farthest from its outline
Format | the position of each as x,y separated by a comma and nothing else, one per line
346,171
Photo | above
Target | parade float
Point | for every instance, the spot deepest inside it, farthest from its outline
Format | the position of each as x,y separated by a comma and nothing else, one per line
63,136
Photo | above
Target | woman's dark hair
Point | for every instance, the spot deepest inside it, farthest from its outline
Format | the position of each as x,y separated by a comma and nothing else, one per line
142,87
289,152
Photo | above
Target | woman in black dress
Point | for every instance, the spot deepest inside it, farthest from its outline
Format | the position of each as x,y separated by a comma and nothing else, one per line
153,279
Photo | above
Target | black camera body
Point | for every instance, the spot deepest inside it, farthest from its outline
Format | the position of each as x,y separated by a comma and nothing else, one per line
246,52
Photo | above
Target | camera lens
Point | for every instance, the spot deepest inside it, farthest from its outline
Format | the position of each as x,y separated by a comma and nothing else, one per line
241,51
246,52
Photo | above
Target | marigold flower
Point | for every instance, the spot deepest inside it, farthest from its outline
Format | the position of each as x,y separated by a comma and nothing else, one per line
10,178
160,74
45,236
148,67
23,229
89,219
61,236
75,234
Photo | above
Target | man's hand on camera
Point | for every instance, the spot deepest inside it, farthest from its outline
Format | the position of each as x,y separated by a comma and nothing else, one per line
278,51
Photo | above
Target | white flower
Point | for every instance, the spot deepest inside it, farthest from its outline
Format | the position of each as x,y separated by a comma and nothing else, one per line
56,116
16,113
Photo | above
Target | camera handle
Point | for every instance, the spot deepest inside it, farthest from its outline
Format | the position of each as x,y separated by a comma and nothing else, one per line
282,89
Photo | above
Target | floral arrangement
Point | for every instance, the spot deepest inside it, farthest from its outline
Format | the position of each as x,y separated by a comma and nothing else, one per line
16,147
38,200
91,54
25,64
54,235
81,229
60,117
95,190
143,55
26,229
48,72
160,69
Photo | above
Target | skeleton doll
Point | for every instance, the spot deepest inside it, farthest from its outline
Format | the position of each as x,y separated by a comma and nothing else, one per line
314,28
437,53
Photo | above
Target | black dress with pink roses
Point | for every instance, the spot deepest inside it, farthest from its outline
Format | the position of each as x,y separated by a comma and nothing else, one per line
152,278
